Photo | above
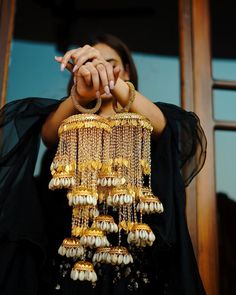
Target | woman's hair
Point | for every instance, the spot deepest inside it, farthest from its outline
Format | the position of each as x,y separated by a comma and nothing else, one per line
121,49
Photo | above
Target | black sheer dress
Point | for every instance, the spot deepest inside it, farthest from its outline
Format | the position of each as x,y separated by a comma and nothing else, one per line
34,220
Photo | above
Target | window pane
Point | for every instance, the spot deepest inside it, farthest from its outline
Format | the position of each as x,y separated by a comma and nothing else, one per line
224,104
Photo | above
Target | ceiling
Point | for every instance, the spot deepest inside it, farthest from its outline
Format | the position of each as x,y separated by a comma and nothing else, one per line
149,26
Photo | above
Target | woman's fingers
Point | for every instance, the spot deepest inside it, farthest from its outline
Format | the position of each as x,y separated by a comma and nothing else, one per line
86,74
86,53
116,72
94,77
66,58
69,66
100,67
109,77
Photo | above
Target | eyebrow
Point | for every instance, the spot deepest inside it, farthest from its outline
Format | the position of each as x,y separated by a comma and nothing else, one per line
111,59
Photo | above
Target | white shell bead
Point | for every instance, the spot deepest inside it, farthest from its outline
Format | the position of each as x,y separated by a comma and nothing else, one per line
75,275
126,259
162,209
120,259
108,259
132,235
111,227
94,277
151,207
103,226
115,227
95,257
99,257
62,251
114,258
151,237
136,235
89,240
146,236
122,199
98,242
86,273
92,240
90,276
81,275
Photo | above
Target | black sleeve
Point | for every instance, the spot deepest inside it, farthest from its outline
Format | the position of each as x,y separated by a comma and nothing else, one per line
189,139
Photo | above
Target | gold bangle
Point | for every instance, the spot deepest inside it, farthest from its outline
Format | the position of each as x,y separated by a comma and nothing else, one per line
131,99
82,109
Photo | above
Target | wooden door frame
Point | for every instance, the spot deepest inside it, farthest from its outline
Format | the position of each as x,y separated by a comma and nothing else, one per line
7,14
196,86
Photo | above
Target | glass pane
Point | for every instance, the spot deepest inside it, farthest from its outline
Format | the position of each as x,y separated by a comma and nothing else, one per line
224,69
223,28
224,102
226,200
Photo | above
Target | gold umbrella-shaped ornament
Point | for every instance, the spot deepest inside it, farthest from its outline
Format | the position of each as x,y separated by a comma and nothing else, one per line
102,163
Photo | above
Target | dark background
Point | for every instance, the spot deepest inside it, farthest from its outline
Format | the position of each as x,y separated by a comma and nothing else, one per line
149,26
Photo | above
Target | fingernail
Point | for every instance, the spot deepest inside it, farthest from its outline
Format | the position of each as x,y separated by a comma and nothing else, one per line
63,67
112,84
75,68
74,80
107,90
98,94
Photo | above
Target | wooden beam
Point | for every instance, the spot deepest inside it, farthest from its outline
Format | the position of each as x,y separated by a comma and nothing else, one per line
7,13
206,194
187,102
221,84
225,125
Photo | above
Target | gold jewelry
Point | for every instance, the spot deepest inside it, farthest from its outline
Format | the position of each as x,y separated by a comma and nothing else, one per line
82,109
102,163
131,99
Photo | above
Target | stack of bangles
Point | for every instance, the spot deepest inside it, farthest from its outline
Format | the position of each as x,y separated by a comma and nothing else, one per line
82,109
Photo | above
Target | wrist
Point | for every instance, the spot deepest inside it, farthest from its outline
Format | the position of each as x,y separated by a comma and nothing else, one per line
121,92
78,102
83,101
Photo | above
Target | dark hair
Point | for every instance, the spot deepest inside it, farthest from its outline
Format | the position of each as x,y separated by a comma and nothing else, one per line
121,49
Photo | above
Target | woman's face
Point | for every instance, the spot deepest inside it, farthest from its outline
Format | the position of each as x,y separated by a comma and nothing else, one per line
113,57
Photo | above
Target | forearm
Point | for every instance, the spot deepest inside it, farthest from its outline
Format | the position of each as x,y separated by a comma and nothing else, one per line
49,130
141,105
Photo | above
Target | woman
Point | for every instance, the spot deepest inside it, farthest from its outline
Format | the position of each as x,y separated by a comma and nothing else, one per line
28,225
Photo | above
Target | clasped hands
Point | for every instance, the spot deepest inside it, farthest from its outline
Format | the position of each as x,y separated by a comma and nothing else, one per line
93,75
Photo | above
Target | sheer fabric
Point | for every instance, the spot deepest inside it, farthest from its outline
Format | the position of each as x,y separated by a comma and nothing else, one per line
34,220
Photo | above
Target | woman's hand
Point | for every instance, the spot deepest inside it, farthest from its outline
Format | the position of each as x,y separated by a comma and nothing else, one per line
92,73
